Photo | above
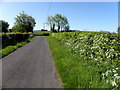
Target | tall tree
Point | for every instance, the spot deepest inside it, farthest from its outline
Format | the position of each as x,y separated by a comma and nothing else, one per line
51,23
64,24
4,26
118,30
67,27
24,23
59,21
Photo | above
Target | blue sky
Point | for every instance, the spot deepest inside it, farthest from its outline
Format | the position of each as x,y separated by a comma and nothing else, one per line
119,13
94,16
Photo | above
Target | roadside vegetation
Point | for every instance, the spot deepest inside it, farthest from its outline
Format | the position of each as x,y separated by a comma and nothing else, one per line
20,34
87,59
13,38
41,33
12,41
58,21
82,59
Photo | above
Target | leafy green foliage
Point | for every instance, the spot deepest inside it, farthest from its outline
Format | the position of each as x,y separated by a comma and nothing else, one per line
4,26
51,23
8,49
61,22
118,30
13,38
95,59
24,23
18,28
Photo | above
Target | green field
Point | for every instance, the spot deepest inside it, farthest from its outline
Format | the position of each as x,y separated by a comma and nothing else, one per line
87,59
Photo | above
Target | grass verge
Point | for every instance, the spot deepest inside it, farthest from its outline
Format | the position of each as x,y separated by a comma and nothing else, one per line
63,61
4,52
73,71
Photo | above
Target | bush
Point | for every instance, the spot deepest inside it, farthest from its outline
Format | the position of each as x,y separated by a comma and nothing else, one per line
13,38
45,34
11,48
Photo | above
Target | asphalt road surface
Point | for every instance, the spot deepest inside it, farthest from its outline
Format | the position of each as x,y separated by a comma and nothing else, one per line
31,66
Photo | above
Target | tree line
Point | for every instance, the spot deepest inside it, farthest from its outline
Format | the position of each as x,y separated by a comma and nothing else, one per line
23,23
26,23
58,21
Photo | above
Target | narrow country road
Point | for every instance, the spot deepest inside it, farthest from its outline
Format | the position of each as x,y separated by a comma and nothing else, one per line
31,66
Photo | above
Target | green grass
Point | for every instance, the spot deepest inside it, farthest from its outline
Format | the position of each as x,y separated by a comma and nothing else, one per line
63,60
72,72
41,32
4,52
75,72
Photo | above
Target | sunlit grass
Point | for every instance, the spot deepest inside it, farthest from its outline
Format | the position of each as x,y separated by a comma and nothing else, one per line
85,60
12,48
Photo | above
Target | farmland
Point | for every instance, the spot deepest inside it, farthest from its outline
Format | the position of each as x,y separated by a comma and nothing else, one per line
82,59
60,45
87,59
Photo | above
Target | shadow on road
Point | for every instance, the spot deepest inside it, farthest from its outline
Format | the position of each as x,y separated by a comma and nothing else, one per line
44,34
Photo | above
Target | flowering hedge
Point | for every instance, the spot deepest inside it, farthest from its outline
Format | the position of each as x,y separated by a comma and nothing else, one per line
102,50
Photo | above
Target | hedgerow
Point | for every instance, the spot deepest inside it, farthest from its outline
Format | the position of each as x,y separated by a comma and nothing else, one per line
98,54
14,38
12,41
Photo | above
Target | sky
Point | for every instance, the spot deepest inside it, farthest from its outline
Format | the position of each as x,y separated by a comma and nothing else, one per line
85,16
119,13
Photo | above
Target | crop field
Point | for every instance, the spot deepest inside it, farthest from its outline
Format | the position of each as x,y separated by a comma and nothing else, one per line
87,59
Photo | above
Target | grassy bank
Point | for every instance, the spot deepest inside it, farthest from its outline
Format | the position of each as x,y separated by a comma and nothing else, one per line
73,73
87,60
63,60
7,50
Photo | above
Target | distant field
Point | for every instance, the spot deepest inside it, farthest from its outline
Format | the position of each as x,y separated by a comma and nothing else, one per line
87,59
42,32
